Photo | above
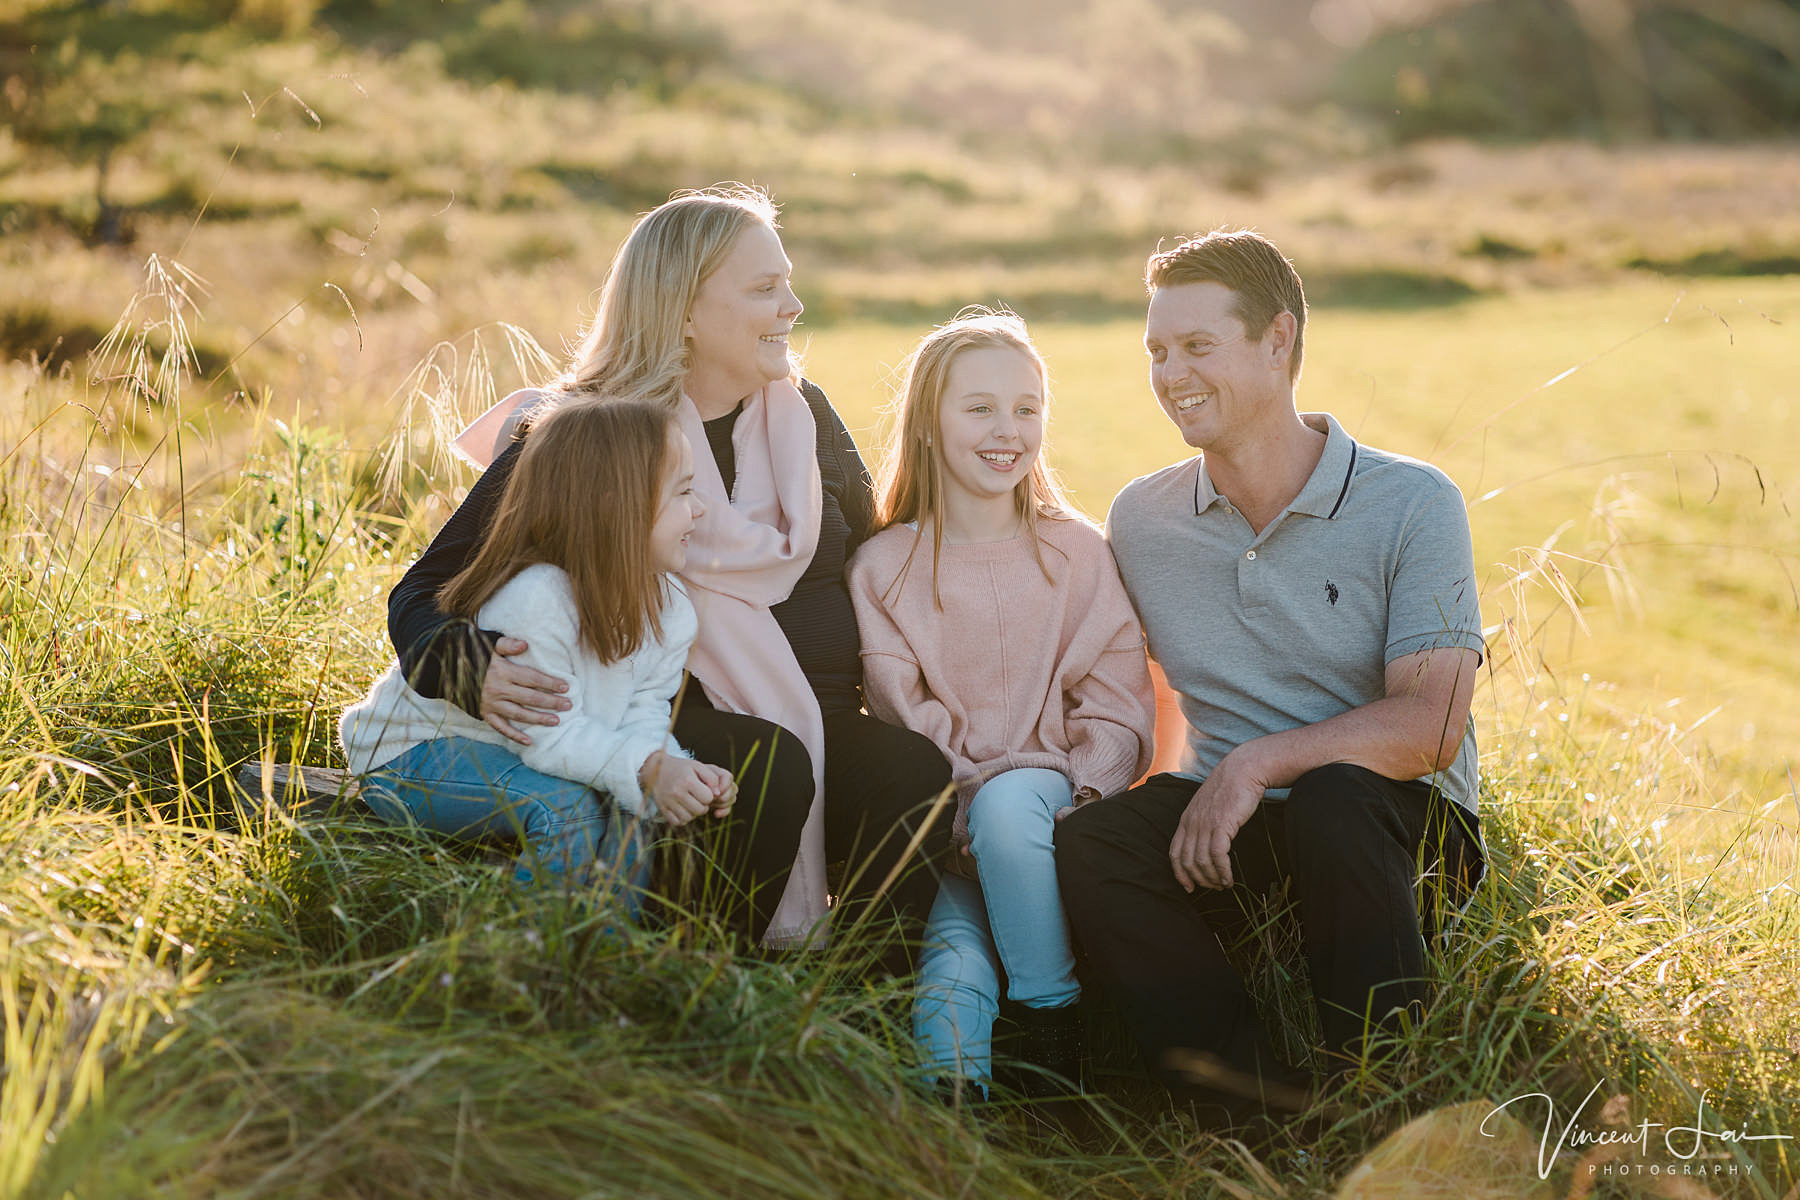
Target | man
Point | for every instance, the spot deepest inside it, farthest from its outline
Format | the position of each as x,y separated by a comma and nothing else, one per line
1313,603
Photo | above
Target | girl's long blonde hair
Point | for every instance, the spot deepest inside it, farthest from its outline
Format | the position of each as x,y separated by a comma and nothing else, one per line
911,487
583,497
634,350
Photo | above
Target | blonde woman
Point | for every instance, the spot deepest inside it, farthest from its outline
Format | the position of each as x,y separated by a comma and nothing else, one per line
695,316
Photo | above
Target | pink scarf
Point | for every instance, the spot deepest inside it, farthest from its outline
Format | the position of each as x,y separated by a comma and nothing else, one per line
744,557
746,554
486,436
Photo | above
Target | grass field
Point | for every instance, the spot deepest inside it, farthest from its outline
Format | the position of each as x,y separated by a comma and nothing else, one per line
311,1009
195,546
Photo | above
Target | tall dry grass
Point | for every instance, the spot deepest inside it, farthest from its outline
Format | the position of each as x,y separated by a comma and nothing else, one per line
206,997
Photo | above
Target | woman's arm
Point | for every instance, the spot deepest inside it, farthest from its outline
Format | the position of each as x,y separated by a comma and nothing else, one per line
841,468
450,658
444,656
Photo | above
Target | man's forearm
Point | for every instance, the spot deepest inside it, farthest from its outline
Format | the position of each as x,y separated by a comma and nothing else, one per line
1414,730
1383,736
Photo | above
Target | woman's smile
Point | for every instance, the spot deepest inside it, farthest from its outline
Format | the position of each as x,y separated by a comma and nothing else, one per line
737,330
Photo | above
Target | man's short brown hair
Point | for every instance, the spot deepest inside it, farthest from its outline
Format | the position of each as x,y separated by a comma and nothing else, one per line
1262,281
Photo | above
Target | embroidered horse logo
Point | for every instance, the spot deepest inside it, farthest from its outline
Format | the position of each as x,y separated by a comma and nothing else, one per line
1331,592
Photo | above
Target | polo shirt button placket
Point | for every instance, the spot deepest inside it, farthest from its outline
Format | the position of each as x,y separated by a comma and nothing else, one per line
1252,585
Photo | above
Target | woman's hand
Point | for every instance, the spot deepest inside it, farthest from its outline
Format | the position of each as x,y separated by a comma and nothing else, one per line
513,694
683,789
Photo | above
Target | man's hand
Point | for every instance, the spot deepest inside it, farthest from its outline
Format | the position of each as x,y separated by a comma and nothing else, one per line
513,694
1414,729
1201,850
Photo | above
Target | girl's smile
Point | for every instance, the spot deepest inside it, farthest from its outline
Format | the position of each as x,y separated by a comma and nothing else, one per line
990,428
679,507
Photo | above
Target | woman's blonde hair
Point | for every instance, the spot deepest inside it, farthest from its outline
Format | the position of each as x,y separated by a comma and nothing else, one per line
583,496
635,349
911,488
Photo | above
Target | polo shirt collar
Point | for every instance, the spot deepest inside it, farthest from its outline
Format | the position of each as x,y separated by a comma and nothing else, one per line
1329,485
1326,488
1205,495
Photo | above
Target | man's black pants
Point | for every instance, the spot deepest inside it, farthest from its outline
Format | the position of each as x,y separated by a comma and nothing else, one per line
1350,844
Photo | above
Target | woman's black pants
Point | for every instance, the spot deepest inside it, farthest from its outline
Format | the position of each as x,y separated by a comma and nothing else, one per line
880,782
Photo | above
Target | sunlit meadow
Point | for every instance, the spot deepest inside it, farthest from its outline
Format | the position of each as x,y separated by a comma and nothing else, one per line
280,1006
222,437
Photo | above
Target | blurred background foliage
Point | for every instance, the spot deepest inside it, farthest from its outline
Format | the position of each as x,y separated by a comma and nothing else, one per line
437,154
1066,130
1095,68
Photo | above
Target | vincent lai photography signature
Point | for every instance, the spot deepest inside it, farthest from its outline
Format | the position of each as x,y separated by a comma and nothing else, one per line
1683,1143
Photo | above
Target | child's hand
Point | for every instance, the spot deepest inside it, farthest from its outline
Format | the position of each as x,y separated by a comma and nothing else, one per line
962,863
1082,796
680,788
722,785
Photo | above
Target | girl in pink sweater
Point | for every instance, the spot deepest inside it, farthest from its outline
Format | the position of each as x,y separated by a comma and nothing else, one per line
993,621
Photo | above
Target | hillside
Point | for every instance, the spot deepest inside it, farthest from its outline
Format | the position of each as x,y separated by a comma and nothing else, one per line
451,155
1136,78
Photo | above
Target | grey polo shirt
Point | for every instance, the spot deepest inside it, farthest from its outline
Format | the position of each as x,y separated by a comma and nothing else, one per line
1260,633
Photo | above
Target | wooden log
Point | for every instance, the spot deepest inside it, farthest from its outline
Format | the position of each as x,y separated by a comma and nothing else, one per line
295,787
316,791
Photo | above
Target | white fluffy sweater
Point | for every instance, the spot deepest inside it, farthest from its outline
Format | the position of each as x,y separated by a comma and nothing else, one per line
618,712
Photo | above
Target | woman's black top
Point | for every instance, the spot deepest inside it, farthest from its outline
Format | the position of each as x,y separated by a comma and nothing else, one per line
447,657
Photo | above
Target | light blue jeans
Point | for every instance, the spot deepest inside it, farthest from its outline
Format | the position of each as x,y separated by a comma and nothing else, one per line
1011,922
463,788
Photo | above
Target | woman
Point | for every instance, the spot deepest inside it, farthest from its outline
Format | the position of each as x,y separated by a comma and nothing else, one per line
695,314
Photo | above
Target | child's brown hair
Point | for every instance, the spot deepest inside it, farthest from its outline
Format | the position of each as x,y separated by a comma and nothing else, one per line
582,497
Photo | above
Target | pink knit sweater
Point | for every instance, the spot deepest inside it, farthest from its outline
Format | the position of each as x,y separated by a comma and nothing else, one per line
1016,670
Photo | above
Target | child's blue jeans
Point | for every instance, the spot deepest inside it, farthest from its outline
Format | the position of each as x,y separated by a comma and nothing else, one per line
1011,921
469,789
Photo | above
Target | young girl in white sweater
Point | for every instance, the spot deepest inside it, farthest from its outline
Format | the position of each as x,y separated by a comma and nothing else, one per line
993,621
578,563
